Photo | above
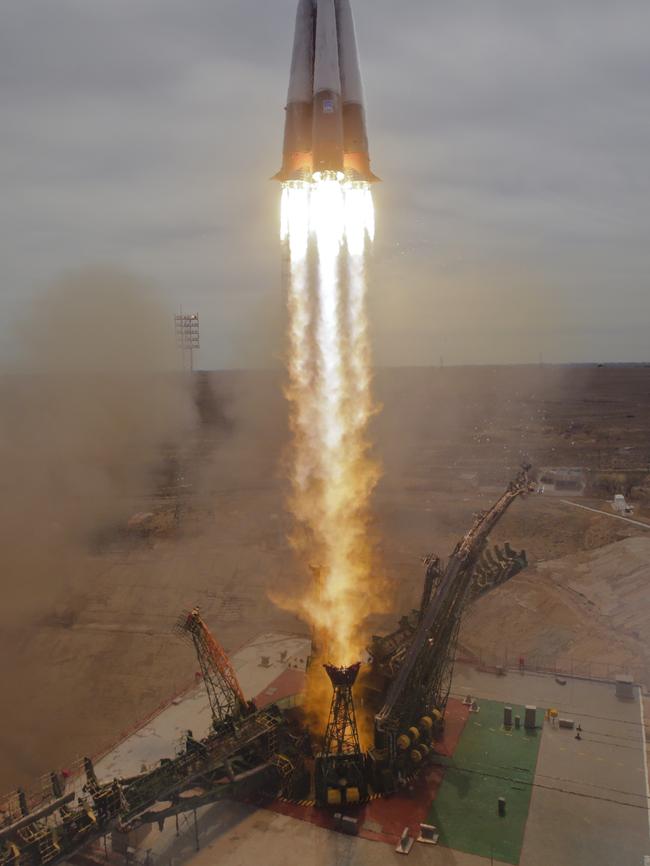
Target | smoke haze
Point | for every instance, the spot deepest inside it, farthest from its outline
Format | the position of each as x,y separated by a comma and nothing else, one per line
83,423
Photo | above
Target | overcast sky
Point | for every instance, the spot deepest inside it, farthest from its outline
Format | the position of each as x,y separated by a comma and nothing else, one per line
513,139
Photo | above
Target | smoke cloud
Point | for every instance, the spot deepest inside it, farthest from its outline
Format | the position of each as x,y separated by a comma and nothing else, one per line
84,421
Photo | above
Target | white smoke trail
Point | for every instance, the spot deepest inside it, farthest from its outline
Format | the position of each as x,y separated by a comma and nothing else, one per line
329,389
295,232
360,225
328,225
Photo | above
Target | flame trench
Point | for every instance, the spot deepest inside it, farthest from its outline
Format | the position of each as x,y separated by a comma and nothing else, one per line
327,225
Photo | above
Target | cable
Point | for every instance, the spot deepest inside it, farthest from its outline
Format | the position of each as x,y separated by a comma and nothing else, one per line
533,784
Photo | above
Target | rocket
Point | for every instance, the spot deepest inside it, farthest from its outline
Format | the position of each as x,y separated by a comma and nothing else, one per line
325,126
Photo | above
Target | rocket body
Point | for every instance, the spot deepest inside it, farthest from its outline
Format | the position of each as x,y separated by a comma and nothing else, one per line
325,127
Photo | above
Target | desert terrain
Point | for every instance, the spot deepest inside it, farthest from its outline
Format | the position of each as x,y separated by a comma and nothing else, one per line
86,631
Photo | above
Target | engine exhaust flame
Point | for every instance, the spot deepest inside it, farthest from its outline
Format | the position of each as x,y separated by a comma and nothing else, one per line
327,225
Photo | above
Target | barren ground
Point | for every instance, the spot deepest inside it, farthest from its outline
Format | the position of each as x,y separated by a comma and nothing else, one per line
86,666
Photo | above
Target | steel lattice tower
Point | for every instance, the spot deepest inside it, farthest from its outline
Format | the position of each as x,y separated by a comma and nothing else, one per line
186,326
341,734
339,776
227,701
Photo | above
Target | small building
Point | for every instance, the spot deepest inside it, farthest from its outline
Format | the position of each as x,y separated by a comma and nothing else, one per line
620,505
562,479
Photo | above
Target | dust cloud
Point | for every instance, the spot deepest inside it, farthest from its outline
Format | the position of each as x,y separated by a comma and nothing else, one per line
84,420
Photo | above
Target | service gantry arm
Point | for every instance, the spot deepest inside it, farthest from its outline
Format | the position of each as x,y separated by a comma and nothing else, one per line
226,698
423,680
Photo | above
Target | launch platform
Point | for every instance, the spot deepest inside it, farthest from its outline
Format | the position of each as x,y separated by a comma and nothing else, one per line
568,800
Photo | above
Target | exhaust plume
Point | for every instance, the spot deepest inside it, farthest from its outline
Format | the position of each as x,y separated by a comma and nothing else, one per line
326,226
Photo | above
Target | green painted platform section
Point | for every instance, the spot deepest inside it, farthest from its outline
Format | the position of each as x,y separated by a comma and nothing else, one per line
489,762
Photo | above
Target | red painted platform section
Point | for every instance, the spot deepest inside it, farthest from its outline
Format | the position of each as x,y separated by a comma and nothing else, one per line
384,819
289,683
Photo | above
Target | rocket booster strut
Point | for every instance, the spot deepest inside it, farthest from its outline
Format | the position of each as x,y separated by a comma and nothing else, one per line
325,127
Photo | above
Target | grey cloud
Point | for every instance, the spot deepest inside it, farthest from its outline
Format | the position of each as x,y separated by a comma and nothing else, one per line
512,138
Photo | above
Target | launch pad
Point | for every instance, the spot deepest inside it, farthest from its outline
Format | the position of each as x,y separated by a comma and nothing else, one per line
266,751
570,783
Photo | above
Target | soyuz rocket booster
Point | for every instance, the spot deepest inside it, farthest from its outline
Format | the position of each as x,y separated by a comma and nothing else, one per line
325,127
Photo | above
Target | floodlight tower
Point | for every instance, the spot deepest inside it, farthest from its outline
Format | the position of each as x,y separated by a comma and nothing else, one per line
186,326
339,772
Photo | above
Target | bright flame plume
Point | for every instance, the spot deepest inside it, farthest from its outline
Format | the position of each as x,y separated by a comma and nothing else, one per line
327,225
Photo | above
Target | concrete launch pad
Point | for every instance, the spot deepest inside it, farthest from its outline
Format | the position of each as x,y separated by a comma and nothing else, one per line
270,667
568,801
492,761
384,819
589,799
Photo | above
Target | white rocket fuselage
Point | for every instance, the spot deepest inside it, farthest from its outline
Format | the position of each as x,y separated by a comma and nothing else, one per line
325,128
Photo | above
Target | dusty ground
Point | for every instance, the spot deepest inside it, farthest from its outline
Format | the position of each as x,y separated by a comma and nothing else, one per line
585,613
98,654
